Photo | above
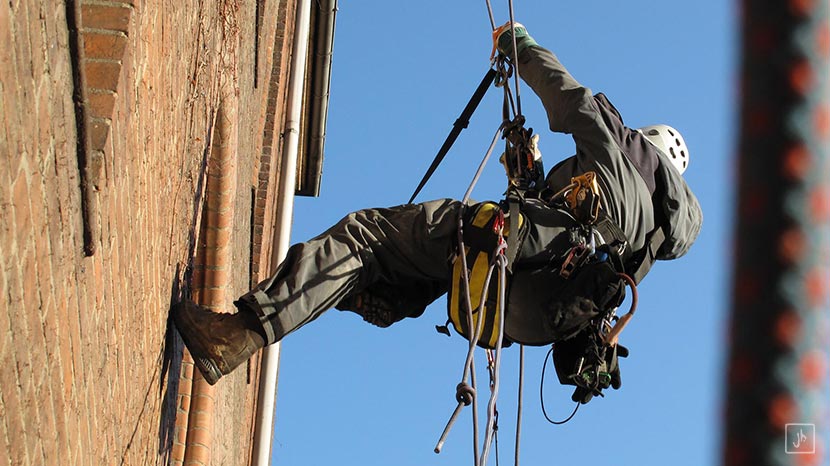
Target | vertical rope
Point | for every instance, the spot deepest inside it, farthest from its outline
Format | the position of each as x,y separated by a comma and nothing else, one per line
501,263
519,403
490,12
778,390
515,61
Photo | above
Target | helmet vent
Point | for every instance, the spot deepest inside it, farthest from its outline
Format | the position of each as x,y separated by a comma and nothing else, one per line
671,151
653,132
677,141
670,132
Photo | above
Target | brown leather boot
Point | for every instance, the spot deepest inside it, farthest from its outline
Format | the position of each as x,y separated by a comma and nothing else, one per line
218,341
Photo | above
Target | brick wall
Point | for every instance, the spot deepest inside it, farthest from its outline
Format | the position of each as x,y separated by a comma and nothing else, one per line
90,373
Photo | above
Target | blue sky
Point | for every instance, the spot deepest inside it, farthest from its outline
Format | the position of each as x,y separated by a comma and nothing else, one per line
350,393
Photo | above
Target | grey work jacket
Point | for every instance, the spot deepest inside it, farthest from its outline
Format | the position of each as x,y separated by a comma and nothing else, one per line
641,190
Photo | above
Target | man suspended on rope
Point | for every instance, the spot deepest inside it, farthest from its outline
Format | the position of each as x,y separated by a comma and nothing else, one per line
386,264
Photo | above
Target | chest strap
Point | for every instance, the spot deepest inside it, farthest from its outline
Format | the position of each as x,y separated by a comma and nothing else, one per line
635,264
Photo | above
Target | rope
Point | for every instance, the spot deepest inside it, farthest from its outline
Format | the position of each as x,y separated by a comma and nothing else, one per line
466,393
501,261
490,12
516,61
469,372
518,109
519,402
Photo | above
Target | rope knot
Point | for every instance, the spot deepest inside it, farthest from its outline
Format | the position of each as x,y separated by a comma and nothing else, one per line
464,393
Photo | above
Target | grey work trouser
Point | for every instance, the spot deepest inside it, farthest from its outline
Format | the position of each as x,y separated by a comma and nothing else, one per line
401,253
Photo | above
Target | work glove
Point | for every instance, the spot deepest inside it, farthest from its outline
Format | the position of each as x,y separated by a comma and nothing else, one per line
533,147
606,374
503,40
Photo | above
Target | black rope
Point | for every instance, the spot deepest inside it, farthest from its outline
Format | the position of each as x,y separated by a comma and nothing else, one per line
542,394
462,122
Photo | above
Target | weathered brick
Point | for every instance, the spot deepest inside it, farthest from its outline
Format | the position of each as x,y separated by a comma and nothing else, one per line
98,282
104,46
45,117
86,431
187,370
95,170
101,104
217,278
5,323
98,131
62,432
73,328
219,237
64,348
177,453
31,313
16,153
75,435
221,219
20,204
216,201
45,273
47,423
183,407
111,17
102,75
5,449
36,198
14,415
51,333
31,403
200,453
199,436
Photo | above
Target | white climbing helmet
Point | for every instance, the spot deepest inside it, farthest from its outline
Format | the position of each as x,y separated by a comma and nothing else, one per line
669,140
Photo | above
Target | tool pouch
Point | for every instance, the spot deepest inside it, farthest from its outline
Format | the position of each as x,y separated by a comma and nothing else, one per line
480,234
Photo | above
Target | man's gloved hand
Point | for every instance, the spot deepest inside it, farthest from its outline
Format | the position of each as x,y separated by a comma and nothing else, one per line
533,147
607,374
503,40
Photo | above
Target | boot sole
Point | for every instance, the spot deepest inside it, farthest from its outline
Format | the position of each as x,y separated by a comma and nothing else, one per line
207,367
209,371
